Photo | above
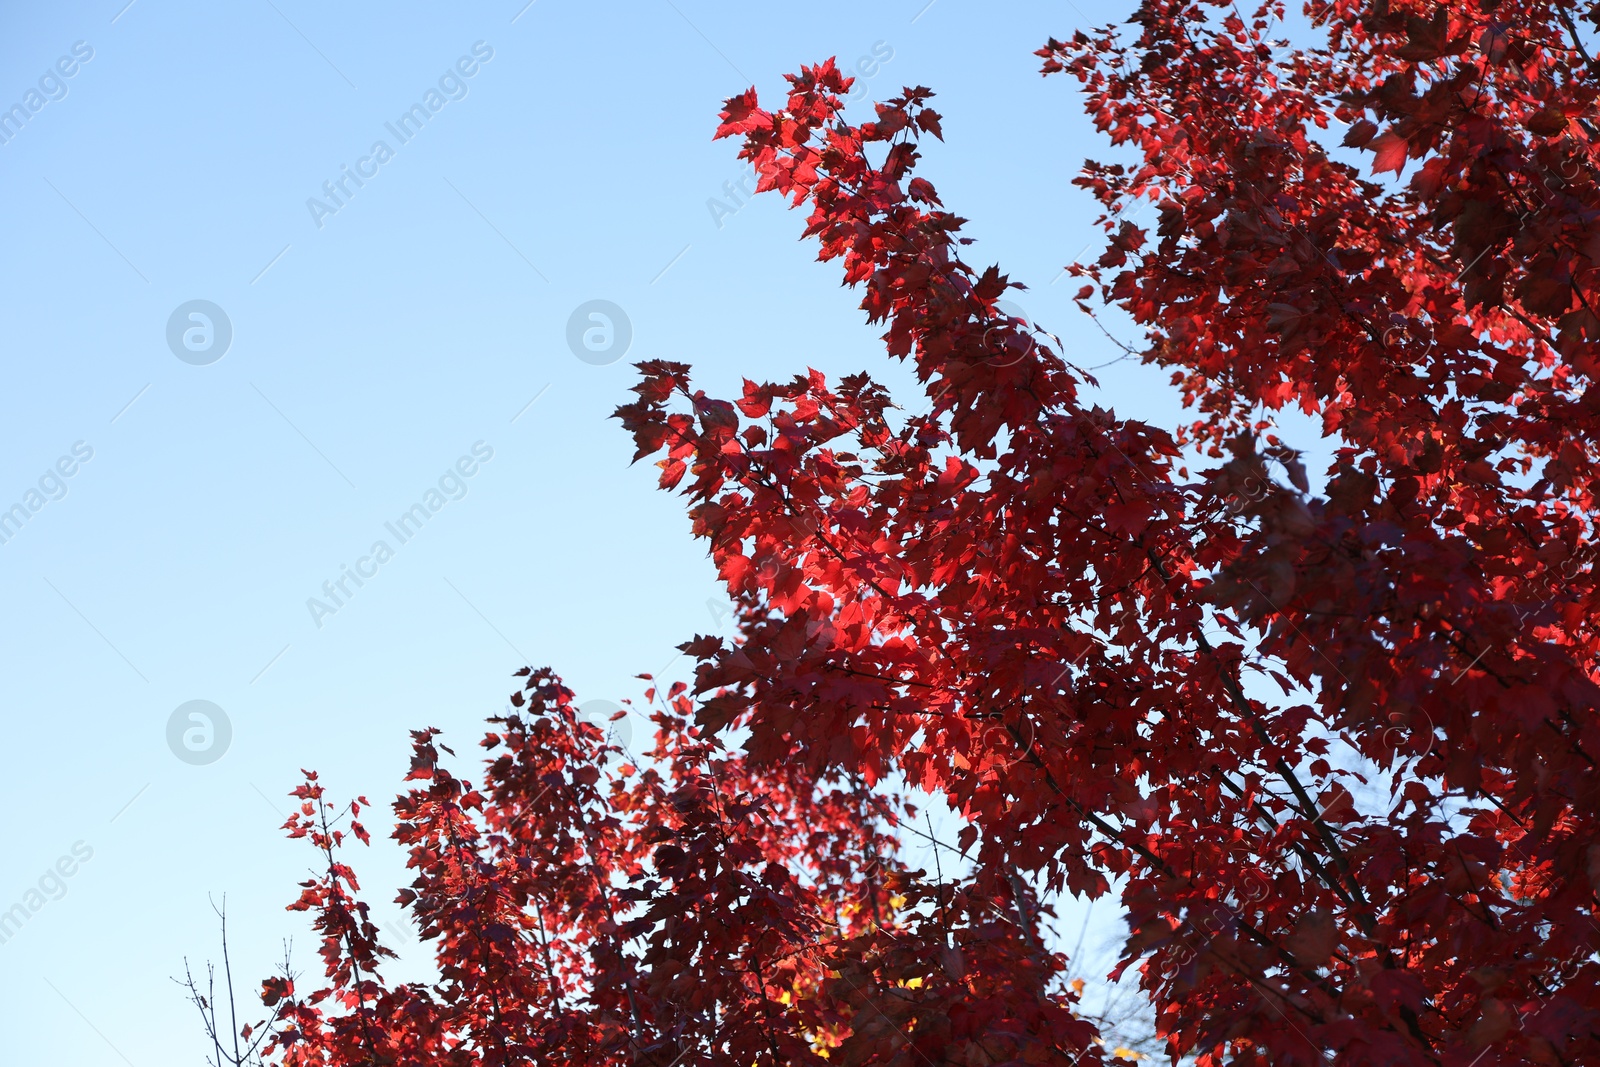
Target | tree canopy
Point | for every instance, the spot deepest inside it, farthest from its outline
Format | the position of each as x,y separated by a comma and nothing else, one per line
1333,748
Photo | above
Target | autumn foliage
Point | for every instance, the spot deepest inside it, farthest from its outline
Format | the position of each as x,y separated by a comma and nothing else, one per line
1332,746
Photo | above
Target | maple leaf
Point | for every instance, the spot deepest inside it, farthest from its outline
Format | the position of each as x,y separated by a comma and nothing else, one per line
1389,152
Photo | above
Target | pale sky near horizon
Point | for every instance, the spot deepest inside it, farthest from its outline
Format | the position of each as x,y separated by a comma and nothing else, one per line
234,369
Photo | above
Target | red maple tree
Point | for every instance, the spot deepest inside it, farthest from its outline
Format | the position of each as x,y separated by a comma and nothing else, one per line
1334,750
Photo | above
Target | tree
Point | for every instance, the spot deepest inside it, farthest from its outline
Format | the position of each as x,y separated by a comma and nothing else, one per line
1335,750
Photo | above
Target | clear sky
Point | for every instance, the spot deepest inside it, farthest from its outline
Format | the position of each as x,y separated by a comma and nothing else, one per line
224,384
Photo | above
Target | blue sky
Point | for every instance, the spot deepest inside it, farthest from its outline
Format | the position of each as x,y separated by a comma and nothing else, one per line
377,352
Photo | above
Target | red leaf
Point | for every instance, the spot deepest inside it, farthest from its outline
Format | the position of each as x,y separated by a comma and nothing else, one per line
1389,152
